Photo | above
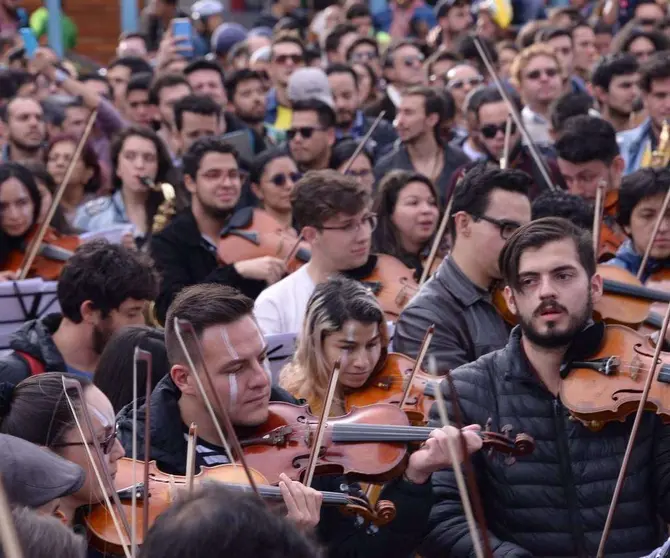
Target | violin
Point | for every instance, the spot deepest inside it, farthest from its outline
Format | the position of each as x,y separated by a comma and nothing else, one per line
252,233
611,235
368,443
393,283
162,491
608,386
56,249
388,386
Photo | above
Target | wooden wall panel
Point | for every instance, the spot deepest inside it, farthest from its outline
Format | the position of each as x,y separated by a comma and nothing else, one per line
99,24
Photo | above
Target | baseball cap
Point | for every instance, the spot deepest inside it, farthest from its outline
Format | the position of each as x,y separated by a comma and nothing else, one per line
226,35
310,83
33,476
443,6
206,8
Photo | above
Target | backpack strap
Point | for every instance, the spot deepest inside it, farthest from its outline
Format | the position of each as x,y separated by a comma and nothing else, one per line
35,366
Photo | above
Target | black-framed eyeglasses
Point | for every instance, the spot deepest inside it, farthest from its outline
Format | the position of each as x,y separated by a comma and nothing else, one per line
284,58
505,226
364,56
489,131
106,445
280,179
305,131
352,228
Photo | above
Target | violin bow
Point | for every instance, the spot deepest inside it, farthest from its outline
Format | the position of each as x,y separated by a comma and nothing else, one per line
651,376
141,355
436,242
456,465
190,456
11,548
293,250
535,154
184,325
34,247
504,161
427,339
469,470
598,211
654,233
362,143
323,422
110,488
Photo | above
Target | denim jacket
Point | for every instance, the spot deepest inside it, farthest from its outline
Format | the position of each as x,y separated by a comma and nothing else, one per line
632,145
101,213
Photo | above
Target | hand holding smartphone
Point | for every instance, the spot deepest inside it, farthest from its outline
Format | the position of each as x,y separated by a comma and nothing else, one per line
181,33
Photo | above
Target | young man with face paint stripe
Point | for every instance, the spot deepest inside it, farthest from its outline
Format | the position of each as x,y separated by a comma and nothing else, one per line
235,353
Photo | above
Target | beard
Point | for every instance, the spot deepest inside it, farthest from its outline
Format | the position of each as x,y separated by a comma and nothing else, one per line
251,117
552,338
27,147
101,336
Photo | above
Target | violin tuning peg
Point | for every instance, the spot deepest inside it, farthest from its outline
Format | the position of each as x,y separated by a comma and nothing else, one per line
359,521
372,529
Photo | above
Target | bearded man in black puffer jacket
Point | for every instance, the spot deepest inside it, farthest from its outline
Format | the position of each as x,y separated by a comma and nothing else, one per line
554,502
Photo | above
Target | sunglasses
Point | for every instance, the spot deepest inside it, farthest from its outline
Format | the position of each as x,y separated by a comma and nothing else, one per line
460,83
283,58
647,22
280,179
363,56
106,445
491,130
549,72
305,131
411,61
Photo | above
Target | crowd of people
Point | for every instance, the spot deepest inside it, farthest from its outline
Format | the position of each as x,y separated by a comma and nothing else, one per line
360,179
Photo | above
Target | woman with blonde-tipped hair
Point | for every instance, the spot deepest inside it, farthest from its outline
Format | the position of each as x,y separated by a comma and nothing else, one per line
343,321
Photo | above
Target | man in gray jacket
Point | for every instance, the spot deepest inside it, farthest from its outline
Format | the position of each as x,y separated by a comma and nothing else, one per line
489,205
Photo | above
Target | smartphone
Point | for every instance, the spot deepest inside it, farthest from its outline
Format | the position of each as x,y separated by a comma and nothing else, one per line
29,41
181,30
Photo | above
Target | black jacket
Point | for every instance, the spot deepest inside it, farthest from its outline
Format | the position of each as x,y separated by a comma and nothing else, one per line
467,324
554,502
35,339
337,531
183,258
398,158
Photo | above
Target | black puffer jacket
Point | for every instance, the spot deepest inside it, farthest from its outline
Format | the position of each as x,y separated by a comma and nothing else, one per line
34,338
554,502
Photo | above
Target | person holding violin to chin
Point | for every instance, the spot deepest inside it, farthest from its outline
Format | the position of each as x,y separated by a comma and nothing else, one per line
489,204
37,410
185,252
553,503
20,204
235,353
640,202
406,203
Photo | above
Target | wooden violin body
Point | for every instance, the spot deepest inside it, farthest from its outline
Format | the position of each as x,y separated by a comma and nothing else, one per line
54,253
611,235
393,283
253,233
163,489
608,386
388,386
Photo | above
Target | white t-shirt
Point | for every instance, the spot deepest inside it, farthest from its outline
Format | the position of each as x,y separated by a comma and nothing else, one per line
281,307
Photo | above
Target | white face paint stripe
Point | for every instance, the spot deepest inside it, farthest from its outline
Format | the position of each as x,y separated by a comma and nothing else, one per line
232,380
266,362
101,417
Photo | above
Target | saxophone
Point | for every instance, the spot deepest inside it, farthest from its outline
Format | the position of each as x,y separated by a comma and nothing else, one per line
166,209
661,155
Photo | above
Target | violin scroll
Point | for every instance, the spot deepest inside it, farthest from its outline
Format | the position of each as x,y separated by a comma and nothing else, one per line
519,446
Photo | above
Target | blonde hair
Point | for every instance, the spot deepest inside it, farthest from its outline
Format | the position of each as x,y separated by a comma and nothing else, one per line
333,303
526,55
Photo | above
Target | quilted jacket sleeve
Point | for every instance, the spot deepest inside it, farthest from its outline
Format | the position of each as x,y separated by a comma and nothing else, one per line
449,532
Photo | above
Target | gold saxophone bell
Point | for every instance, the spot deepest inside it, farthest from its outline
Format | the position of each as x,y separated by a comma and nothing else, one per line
166,210
660,157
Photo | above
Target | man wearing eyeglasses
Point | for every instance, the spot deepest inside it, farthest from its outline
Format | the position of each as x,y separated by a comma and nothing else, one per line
185,251
537,74
287,54
333,214
489,205
488,116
